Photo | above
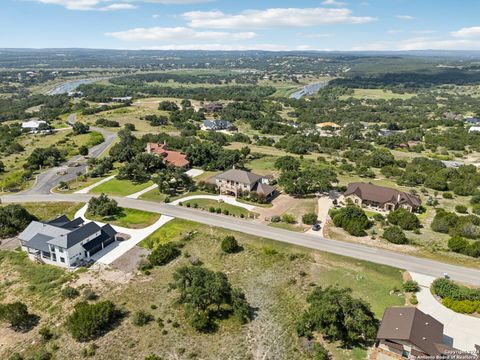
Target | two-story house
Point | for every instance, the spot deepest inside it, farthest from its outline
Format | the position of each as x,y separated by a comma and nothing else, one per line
63,242
235,182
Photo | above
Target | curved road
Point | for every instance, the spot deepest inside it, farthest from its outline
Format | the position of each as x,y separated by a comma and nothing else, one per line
361,252
51,177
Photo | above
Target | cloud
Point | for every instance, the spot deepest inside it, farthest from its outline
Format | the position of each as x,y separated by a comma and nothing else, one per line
405,17
177,34
394,31
275,17
333,3
467,32
89,5
177,2
229,47
421,43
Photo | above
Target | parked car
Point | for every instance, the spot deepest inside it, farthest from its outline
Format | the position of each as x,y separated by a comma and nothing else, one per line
316,227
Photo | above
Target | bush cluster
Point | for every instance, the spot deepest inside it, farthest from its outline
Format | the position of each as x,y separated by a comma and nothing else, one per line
163,254
404,218
395,235
352,219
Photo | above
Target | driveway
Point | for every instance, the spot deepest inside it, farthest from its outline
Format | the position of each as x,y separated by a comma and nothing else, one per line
463,330
118,248
324,205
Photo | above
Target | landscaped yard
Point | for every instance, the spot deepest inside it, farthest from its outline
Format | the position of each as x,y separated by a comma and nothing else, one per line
80,183
206,204
129,218
118,187
153,195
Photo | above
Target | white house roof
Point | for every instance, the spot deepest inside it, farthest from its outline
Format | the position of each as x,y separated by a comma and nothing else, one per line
474,129
32,124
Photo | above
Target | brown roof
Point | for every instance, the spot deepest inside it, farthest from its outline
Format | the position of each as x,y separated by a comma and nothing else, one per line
381,194
241,176
263,189
174,158
412,325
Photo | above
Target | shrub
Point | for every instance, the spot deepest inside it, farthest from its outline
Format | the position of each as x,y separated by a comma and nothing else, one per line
88,321
446,288
462,209
395,235
229,244
319,352
275,219
163,254
404,218
458,244
288,218
447,195
89,294
13,219
414,300
352,219
16,314
410,286
141,318
45,333
211,209
103,206
461,306
70,293
218,210
309,218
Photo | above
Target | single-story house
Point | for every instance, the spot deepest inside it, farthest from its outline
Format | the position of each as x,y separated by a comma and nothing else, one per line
472,121
217,125
407,331
212,107
122,98
170,157
235,182
452,164
63,242
381,198
33,125
474,129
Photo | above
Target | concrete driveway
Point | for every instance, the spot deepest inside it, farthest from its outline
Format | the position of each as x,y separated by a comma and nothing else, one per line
462,331
118,248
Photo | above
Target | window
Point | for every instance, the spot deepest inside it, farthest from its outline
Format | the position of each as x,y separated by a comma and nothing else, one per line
60,250
62,259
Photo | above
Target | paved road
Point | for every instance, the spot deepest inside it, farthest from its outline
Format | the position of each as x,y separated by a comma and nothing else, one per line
361,252
50,178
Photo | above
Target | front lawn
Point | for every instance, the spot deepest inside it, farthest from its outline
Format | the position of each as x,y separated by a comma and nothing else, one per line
206,204
172,231
47,211
129,218
118,187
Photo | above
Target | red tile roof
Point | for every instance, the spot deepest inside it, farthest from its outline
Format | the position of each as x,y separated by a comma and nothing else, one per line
174,158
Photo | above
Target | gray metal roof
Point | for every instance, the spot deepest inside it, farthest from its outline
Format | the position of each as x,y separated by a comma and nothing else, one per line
39,242
36,227
74,237
241,176
218,124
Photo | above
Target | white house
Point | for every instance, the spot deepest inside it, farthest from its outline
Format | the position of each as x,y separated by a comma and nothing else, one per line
65,243
474,129
33,125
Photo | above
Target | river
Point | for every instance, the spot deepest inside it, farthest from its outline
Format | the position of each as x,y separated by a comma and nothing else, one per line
309,89
68,86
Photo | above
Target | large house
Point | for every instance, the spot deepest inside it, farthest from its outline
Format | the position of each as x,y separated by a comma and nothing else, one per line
381,198
328,125
472,121
217,125
407,331
235,182
170,157
34,125
63,242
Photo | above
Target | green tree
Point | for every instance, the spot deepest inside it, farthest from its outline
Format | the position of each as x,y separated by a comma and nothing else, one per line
103,206
395,235
83,150
352,219
16,315
163,254
13,219
404,218
287,163
309,218
229,244
80,128
339,316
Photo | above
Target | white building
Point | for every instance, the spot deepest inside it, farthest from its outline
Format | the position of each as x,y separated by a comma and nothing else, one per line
65,243
474,129
33,125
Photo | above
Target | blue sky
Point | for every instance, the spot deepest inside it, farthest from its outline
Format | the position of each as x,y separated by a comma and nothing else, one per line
239,25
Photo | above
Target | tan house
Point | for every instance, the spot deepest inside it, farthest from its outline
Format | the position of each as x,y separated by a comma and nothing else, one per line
406,331
235,182
381,198
174,158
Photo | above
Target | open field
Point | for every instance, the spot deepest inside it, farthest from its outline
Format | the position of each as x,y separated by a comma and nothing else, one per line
120,187
377,94
51,210
80,183
129,218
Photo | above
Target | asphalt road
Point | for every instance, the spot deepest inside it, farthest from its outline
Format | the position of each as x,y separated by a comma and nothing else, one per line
51,177
360,252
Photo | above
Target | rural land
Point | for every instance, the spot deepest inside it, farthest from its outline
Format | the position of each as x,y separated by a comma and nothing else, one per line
239,205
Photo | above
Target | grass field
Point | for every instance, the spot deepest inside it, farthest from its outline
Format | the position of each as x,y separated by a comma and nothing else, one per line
48,211
275,277
80,183
129,218
153,195
377,94
205,204
118,187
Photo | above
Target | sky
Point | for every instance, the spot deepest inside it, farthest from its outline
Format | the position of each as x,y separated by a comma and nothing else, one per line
344,25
